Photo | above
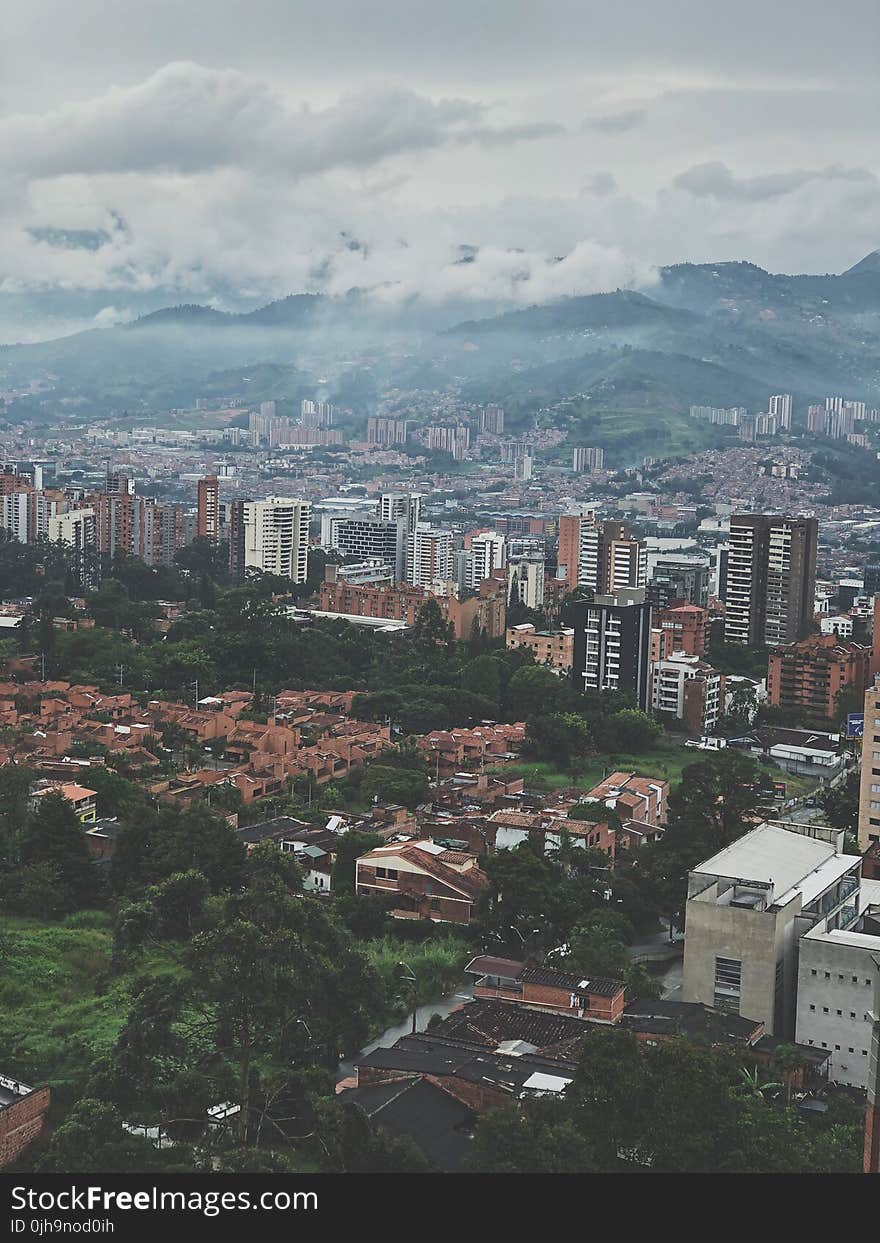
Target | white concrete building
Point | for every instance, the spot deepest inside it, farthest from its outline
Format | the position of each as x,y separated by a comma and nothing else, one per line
836,965
840,625
276,537
487,553
748,908
526,576
430,555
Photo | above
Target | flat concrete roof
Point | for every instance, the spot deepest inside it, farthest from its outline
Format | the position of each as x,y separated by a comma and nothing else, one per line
788,861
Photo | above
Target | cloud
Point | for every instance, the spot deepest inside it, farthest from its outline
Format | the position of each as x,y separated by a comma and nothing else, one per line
186,118
109,316
617,122
600,184
716,180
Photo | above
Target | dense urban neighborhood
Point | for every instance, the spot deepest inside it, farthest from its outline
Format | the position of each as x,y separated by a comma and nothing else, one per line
572,781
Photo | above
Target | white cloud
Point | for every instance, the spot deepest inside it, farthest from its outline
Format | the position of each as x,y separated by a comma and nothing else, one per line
188,119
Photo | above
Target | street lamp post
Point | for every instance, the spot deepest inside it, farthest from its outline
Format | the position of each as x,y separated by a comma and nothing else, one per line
411,979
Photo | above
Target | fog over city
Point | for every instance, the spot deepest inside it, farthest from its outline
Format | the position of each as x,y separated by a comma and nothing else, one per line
489,157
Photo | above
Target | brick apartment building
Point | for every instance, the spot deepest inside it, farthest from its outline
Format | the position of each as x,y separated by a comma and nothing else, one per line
554,648
685,625
486,610
811,673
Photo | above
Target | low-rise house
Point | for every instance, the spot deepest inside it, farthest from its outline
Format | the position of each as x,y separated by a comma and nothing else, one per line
476,1076
632,797
796,750
611,839
652,1021
416,1108
82,800
427,881
313,848
512,827
595,998
101,837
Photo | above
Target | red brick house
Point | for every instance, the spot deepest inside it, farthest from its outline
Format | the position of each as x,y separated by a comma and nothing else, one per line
596,999
22,1117
428,881
632,797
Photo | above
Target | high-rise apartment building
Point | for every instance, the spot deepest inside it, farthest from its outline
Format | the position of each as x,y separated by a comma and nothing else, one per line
600,554
612,644
386,432
454,440
487,553
588,459
369,537
492,420
208,508
810,674
431,555
771,578
869,792
275,535
162,532
525,580
316,414
780,406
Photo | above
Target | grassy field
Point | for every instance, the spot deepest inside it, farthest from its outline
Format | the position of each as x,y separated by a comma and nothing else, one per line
665,760
436,963
60,1007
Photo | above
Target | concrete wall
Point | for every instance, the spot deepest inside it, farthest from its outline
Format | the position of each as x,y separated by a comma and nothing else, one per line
836,977
730,932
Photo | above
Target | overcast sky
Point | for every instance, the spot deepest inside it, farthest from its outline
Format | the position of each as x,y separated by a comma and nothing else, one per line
214,149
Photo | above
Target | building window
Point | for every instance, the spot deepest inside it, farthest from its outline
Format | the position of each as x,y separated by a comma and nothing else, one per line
728,983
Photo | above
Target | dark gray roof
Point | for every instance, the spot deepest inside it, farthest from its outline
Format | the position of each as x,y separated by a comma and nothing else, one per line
585,984
688,1018
281,826
427,1054
490,1022
439,1125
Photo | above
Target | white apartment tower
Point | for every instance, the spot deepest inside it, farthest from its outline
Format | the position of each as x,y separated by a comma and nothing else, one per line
276,537
431,555
780,406
487,553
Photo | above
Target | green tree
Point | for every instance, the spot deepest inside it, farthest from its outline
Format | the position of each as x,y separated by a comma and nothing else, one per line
530,1137
54,836
92,1140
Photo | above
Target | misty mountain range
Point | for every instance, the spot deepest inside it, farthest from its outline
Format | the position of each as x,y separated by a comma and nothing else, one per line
728,333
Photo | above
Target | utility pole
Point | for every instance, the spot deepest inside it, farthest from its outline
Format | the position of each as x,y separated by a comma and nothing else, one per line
42,666
195,685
